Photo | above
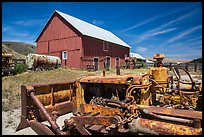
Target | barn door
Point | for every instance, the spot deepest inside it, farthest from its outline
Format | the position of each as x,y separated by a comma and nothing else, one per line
108,63
96,64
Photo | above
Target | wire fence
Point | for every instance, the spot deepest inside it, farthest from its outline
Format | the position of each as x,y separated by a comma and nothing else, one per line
188,66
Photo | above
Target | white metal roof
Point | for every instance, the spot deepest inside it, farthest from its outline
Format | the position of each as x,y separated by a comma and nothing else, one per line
92,30
148,61
138,56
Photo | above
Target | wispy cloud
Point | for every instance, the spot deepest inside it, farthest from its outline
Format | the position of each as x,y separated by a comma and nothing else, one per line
184,33
155,18
175,20
163,31
149,33
194,39
98,22
31,22
141,49
5,29
12,31
19,34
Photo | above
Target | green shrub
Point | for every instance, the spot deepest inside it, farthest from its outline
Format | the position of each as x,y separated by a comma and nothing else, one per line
19,68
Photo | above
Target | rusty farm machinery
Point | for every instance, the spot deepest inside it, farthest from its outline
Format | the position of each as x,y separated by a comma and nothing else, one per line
115,105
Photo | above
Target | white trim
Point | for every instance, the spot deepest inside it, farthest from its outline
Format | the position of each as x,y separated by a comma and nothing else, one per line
105,44
63,52
110,60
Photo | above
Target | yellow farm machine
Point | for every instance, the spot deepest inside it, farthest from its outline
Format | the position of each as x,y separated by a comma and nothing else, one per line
136,104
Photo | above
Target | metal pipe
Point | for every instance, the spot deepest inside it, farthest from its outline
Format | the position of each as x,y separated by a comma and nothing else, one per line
136,86
181,120
55,127
153,127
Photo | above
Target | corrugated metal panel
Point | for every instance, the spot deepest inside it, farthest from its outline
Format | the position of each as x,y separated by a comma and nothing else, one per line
92,30
137,56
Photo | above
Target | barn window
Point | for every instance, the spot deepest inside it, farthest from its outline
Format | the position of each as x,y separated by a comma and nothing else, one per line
64,55
105,46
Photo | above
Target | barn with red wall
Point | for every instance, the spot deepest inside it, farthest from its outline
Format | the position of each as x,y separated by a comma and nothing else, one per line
78,46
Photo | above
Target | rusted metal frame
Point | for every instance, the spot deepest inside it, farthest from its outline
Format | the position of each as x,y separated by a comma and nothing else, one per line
61,108
97,128
24,110
173,112
135,127
81,121
37,102
108,101
153,127
137,86
100,79
175,119
105,111
96,120
140,88
122,105
71,92
40,128
159,86
52,96
191,79
82,129
190,93
179,81
178,77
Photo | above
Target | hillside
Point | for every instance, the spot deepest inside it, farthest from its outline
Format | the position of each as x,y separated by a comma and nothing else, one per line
16,55
198,60
19,47
173,60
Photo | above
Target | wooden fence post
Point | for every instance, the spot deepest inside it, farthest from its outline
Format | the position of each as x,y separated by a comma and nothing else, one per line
195,66
170,66
186,67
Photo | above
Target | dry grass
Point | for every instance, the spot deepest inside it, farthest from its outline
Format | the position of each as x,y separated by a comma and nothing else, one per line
11,84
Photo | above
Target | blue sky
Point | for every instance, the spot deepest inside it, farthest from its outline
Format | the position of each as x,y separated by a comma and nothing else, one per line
172,28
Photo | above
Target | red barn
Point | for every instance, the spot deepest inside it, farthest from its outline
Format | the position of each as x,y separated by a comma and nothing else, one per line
79,43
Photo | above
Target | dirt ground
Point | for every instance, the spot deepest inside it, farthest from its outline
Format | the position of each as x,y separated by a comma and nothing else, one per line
11,119
11,112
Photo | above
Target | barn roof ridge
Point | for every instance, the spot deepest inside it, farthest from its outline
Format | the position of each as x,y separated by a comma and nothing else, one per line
89,29
137,55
